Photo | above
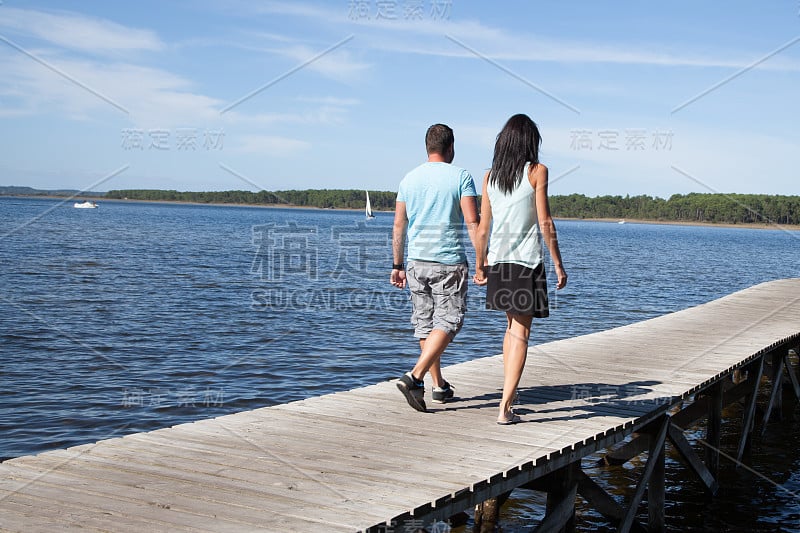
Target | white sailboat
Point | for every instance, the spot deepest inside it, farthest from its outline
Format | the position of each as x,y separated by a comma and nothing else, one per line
368,209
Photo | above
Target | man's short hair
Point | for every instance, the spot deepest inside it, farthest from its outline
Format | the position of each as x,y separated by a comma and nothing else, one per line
439,139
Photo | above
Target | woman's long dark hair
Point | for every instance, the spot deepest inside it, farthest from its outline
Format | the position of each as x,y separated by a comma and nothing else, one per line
517,143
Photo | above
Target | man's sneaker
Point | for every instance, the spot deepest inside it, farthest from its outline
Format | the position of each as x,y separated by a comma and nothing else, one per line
442,394
413,391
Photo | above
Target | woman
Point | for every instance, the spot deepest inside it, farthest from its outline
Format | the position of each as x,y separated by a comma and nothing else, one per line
515,198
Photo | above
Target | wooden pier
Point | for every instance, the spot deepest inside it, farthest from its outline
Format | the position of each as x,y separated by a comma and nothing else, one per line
362,460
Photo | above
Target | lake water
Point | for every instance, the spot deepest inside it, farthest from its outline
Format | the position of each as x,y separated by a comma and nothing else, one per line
137,316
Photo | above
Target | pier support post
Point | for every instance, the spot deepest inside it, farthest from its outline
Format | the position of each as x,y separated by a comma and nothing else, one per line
487,514
655,485
755,371
787,359
775,397
562,487
658,428
714,428
655,492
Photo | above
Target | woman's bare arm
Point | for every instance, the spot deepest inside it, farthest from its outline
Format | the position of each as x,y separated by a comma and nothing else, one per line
482,234
538,178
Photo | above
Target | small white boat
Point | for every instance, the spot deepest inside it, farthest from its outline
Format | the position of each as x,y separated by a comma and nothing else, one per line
368,210
621,221
85,205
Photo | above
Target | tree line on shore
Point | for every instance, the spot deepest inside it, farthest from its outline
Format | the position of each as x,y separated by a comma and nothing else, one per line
693,207
321,198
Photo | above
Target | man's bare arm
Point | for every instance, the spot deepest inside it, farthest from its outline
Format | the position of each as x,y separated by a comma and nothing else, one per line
469,207
398,277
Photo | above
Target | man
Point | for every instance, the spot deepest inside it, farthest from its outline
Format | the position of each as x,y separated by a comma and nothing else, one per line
434,201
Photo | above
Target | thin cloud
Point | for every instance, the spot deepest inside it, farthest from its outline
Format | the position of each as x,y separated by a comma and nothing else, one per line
78,32
538,49
339,65
426,37
147,92
156,98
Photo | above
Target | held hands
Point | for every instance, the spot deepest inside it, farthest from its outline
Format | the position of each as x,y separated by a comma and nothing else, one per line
398,278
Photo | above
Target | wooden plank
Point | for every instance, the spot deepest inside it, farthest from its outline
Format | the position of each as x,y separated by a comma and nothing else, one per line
181,504
118,508
27,514
125,480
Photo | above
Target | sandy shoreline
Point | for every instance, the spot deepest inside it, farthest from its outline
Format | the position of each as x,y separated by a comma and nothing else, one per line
752,225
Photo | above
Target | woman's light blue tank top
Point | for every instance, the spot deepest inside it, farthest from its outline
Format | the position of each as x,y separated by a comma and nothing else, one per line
515,236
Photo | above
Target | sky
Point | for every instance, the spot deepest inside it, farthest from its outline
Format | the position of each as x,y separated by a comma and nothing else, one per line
630,97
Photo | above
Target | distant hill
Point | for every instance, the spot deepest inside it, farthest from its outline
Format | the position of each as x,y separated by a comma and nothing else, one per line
17,190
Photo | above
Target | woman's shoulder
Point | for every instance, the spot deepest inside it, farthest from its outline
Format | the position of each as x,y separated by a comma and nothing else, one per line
536,172
538,167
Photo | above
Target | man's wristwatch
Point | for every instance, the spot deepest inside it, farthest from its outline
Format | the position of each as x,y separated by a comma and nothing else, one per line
398,266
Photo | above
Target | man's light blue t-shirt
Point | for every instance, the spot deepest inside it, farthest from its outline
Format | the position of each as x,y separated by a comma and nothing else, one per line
432,193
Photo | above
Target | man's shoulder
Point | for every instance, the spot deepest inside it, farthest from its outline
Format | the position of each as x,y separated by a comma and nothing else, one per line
440,169
437,176
455,169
